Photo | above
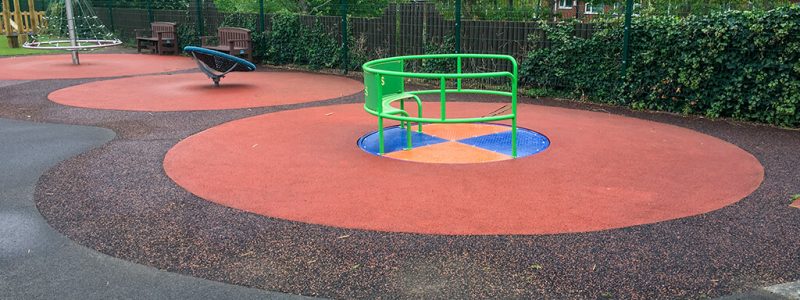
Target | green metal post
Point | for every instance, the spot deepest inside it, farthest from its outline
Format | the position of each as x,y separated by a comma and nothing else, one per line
345,48
443,97
458,27
458,69
150,11
111,16
261,16
409,143
419,114
200,25
407,126
626,40
379,87
514,82
381,148
404,124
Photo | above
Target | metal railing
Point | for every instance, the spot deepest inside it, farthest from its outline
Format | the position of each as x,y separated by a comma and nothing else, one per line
376,101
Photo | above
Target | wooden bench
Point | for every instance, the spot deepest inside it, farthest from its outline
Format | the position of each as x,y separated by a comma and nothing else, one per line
232,40
161,39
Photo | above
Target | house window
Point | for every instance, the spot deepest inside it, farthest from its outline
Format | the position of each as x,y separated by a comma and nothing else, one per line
564,3
592,8
620,9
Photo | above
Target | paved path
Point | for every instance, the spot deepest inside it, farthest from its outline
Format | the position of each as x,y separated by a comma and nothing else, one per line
785,291
678,259
39,263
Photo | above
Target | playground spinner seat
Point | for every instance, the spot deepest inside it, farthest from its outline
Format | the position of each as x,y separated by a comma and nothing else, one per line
162,38
384,84
216,64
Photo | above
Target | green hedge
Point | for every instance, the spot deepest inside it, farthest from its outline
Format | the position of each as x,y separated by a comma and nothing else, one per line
288,42
291,42
743,65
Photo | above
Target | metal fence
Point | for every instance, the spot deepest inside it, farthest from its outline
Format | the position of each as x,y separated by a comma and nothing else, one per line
401,28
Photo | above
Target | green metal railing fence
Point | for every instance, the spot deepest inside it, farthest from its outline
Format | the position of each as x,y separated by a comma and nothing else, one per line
401,28
370,29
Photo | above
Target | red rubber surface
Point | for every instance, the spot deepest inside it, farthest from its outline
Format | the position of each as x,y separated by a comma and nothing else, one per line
92,66
601,171
194,91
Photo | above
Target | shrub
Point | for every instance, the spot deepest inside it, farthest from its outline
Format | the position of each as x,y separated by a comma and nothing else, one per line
743,65
585,68
447,65
187,34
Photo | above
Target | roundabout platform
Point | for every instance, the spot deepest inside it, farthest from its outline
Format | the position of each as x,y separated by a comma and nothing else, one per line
59,66
601,171
193,91
455,143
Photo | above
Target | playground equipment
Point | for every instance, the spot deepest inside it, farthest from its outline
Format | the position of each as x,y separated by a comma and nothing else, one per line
82,31
17,24
384,84
216,64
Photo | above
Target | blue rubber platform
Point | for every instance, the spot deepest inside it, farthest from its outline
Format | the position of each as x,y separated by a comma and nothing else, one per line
394,139
529,142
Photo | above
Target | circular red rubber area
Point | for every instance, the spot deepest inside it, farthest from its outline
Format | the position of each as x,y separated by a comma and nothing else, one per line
194,91
92,66
601,171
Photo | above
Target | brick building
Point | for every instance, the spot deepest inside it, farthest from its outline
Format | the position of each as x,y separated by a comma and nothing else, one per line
585,9
569,9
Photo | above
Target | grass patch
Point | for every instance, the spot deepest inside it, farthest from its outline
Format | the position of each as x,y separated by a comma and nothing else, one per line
6,51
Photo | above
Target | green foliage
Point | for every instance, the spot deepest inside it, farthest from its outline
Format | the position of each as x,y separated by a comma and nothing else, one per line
539,92
154,4
289,42
311,7
232,6
358,53
56,17
187,34
743,65
6,51
518,10
580,67
703,7
446,46
323,49
286,39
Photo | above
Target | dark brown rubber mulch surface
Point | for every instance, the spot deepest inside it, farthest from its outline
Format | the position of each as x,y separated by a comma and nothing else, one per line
118,200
